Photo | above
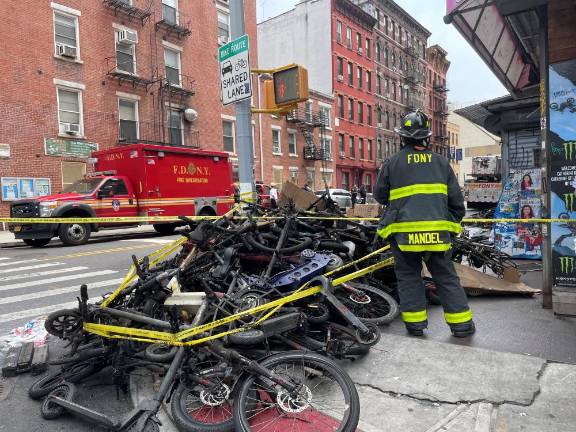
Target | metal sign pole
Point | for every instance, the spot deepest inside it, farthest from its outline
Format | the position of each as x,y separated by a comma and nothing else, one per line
243,114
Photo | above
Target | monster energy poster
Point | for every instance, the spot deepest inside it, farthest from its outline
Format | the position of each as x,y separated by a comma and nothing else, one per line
563,171
520,199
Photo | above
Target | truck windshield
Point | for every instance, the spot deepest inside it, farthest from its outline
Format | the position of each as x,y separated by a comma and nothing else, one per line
84,186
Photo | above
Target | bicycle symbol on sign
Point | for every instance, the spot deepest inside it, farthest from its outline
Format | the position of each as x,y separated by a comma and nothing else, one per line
241,64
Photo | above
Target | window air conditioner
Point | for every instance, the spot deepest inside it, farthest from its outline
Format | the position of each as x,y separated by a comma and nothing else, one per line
340,78
360,50
127,37
66,51
342,154
222,40
71,128
379,125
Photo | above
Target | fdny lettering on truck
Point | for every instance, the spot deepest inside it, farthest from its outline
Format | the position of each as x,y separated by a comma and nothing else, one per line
191,169
114,156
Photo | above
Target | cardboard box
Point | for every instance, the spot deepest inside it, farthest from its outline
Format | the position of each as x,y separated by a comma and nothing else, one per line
364,211
302,198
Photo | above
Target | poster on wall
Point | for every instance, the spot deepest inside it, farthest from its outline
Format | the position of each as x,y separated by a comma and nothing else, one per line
520,199
563,170
15,188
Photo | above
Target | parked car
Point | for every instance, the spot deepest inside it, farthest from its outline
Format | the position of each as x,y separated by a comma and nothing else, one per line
263,193
342,197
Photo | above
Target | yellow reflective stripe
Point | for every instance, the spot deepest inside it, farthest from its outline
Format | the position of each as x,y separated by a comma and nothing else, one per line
458,317
425,248
413,317
430,188
421,226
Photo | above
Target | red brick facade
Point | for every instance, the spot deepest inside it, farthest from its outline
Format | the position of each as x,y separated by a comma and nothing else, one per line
437,103
354,100
31,74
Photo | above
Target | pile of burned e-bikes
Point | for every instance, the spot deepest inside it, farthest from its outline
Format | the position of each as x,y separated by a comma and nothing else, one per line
243,320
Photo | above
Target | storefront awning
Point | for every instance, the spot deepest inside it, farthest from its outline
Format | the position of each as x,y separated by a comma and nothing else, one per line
505,35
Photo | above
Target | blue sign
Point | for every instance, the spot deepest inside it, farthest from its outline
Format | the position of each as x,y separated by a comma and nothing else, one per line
459,154
14,188
10,189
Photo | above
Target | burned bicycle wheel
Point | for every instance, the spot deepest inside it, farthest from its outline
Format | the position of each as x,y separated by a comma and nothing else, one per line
368,303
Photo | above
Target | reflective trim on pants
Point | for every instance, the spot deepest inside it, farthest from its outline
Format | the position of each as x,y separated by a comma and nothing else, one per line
458,317
414,317
419,226
425,248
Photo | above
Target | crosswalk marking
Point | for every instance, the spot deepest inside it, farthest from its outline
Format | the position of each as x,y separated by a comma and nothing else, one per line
42,273
53,292
18,262
34,267
151,240
36,312
56,279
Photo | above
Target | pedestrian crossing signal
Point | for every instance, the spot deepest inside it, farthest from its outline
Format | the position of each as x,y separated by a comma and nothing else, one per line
290,85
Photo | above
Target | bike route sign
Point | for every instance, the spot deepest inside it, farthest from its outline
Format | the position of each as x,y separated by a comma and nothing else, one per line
235,81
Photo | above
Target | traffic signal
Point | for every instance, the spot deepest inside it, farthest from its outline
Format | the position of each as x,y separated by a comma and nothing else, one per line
290,85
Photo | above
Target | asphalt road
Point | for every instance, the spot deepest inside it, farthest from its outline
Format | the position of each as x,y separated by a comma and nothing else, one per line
37,281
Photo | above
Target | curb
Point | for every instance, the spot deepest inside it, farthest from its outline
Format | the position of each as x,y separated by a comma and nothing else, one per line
142,388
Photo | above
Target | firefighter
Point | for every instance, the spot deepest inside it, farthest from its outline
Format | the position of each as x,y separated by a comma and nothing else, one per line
424,210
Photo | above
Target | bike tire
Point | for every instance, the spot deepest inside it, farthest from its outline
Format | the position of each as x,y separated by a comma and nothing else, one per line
243,405
68,318
160,353
306,243
73,374
381,309
184,419
49,410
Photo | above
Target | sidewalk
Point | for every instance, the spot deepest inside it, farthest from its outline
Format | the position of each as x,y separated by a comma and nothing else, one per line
7,238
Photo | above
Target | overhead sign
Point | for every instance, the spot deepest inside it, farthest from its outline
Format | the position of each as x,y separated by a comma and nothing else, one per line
235,81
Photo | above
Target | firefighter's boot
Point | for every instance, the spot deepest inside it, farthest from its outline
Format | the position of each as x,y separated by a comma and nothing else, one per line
416,328
462,330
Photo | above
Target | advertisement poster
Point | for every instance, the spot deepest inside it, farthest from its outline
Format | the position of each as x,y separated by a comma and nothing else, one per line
9,189
520,199
15,188
563,172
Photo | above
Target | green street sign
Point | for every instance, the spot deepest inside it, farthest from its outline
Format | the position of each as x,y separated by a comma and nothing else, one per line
235,83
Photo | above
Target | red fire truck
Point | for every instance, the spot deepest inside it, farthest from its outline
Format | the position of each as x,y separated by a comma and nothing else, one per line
132,180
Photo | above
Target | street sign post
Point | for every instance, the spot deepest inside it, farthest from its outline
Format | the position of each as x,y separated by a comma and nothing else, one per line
235,83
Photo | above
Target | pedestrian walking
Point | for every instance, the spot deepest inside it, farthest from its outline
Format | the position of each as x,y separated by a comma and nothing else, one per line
354,195
274,196
424,210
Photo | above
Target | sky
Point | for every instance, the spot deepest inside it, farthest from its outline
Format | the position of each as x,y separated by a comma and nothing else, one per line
469,79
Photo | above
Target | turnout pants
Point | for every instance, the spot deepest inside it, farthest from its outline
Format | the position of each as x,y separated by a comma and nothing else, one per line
408,269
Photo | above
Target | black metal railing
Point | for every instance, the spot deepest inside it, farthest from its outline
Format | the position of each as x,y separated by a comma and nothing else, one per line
158,133
126,71
440,89
174,22
308,117
414,76
125,9
315,153
177,85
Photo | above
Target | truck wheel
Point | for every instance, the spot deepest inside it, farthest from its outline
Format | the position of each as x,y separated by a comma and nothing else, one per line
74,234
164,229
37,242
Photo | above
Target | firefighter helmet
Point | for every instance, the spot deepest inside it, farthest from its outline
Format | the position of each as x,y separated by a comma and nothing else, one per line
415,126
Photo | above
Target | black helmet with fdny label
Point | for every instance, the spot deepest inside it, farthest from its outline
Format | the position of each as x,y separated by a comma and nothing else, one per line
415,126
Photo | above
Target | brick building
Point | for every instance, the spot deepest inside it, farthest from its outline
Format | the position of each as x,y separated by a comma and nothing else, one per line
437,104
101,73
399,45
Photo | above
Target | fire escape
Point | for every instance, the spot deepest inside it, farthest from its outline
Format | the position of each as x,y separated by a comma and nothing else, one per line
125,10
307,121
414,78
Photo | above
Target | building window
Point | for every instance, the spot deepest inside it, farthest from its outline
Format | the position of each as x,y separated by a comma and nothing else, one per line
351,148
394,90
175,127
378,85
340,106
388,120
350,73
368,48
346,180
294,175
360,112
393,59
66,33
128,114
70,112
340,68
172,60
326,146
386,23
276,141
359,77
379,149
351,109
308,111
170,11
359,42
292,143
369,115
361,148
386,56
395,119
278,175
349,37
341,148
378,52
388,148
370,155
368,81
368,183
223,27
339,32
72,172
228,135
311,177
125,56
379,116
325,115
